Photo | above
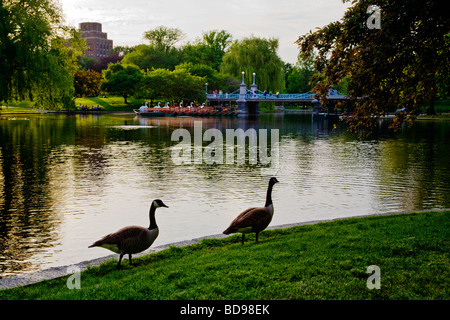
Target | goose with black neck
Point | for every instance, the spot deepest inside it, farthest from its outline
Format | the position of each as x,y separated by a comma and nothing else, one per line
133,239
254,220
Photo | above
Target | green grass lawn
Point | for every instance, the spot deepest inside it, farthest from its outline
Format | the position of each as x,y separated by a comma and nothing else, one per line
322,261
111,103
22,107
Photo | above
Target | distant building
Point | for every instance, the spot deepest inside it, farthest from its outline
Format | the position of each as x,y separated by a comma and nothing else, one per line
97,41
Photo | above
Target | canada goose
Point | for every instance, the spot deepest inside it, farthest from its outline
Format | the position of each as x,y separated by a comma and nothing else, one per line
254,219
133,239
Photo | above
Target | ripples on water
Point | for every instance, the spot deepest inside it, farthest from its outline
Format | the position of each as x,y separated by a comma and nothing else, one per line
67,181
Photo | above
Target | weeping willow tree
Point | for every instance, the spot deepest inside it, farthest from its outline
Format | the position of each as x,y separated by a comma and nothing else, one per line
38,55
256,55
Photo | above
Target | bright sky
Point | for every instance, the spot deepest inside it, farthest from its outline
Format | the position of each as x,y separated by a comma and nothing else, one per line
126,21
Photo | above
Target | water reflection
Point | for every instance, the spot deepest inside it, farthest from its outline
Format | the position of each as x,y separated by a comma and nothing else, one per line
65,181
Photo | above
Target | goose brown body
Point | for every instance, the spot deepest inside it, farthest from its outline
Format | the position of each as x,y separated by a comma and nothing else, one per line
133,239
254,220
128,240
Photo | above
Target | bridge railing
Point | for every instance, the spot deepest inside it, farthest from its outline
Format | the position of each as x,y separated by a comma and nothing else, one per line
225,96
281,96
230,96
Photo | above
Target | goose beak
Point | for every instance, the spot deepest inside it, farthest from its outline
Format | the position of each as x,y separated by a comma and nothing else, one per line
158,204
163,205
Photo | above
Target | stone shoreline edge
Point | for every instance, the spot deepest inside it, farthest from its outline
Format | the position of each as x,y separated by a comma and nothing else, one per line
58,272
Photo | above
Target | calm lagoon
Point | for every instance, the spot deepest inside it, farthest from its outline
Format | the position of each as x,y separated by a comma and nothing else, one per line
66,181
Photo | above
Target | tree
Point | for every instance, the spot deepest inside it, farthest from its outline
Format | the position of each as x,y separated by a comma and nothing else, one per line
121,50
211,76
87,83
103,62
86,63
390,54
178,85
257,55
123,80
210,49
299,76
150,56
186,87
164,38
156,85
38,54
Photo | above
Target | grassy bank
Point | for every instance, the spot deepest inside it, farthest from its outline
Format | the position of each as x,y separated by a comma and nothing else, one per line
111,103
322,261
19,108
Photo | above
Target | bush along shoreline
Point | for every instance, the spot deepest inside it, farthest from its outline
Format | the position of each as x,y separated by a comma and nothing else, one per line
394,257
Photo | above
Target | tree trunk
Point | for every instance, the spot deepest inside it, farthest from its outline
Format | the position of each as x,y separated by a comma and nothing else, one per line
430,110
125,99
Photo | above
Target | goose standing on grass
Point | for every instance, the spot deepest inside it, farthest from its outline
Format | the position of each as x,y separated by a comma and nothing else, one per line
254,219
133,239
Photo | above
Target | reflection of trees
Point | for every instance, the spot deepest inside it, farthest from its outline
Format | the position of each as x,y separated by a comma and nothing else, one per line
413,167
27,221
36,169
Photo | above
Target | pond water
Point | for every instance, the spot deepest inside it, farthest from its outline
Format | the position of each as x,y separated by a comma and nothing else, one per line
66,181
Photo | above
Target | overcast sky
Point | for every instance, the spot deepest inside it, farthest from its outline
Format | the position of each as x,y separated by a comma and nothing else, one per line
126,21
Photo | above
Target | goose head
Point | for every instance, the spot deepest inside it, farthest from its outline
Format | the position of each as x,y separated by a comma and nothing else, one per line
273,180
158,204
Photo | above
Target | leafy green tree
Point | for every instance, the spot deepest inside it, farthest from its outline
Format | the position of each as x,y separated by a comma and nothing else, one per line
156,85
121,50
86,63
186,87
214,79
123,80
38,55
257,55
178,85
210,49
391,55
150,56
299,76
164,38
